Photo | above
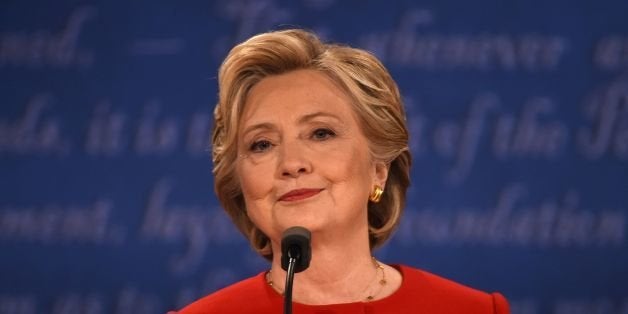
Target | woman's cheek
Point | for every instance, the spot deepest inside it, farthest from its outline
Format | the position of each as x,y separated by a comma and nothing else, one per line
256,181
343,160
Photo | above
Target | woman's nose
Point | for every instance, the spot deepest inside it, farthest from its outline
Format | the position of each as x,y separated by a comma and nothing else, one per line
294,160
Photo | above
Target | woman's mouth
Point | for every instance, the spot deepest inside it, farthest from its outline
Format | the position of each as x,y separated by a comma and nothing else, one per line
299,194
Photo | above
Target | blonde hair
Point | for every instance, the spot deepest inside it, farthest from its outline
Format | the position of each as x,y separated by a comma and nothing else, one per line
376,102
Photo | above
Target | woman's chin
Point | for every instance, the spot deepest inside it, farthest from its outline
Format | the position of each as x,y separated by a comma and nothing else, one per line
313,224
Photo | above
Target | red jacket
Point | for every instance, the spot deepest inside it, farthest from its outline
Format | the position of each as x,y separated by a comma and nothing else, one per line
420,292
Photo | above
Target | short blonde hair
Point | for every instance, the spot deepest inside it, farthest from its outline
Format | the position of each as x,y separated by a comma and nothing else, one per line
359,74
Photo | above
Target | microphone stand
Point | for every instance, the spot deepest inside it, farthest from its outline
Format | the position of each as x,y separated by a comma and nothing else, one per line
296,254
287,301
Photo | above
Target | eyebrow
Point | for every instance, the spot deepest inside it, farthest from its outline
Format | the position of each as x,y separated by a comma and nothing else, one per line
303,119
264,125
314,115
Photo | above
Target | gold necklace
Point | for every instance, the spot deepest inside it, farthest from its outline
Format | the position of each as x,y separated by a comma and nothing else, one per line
382,282
370,297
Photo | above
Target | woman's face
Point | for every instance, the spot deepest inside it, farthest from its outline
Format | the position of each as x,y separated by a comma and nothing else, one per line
303,159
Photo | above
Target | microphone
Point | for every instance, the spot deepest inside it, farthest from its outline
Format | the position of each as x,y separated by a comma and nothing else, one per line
296,254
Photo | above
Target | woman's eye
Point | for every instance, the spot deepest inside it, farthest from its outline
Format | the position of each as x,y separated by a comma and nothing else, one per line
322,134
260,146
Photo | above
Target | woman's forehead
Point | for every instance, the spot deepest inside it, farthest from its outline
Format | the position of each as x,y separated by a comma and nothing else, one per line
297,94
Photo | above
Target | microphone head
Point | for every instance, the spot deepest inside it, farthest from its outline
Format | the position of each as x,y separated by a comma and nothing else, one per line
295,243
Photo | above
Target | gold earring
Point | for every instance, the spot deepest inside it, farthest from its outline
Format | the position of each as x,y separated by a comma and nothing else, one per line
376,195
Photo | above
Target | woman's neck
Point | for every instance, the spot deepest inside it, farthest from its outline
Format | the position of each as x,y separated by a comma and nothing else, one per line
339,272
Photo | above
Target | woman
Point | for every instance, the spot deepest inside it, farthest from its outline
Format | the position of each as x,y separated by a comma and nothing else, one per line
314,135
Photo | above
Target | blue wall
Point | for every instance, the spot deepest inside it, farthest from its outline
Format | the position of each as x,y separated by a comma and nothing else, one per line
519,120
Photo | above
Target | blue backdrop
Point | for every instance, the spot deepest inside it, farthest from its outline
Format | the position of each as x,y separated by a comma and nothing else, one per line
518,113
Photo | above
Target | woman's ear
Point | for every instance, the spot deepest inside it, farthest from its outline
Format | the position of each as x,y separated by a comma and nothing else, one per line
381,173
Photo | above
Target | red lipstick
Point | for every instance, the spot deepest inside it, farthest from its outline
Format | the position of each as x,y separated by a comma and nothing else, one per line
299,194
